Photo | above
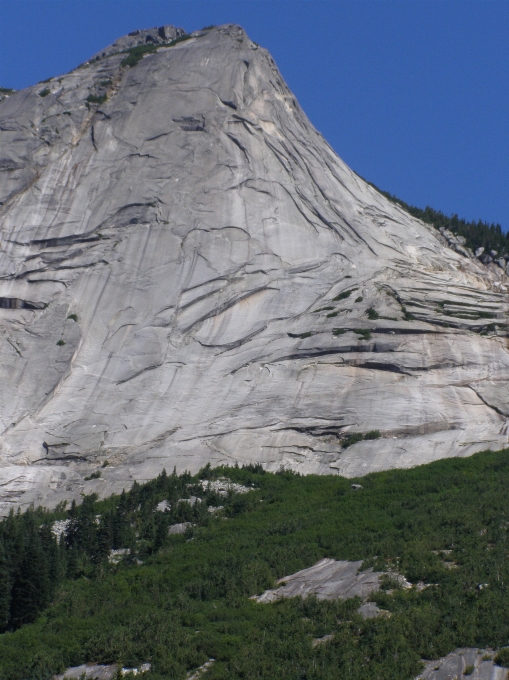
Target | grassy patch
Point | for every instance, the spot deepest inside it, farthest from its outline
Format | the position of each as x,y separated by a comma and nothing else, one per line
372,314
364,333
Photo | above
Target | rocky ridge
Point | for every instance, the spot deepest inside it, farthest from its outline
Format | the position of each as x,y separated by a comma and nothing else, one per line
190,274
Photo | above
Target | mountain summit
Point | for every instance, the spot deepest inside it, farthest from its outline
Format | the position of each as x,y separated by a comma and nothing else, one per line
190,274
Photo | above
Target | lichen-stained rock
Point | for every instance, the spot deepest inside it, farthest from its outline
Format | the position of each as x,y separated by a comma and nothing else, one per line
189,274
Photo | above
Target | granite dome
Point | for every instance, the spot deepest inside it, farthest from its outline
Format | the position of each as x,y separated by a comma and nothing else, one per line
190,274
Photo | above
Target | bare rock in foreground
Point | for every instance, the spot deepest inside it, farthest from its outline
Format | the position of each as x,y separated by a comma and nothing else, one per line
327,580
90,671
469,662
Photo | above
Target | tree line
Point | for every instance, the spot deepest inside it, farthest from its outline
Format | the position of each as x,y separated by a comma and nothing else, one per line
34,559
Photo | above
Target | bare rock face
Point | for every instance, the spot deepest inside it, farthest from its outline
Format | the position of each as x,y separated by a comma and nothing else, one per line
189,274
477,664
328,579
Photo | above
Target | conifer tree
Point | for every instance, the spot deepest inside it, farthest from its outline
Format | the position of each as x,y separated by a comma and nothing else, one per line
73,564
31,590
103,547
5,590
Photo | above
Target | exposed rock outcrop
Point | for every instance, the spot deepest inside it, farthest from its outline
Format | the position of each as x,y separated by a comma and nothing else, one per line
190,274
471,662
328,579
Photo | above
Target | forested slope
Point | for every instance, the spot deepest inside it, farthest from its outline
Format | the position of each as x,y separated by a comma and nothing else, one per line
477,234
177,600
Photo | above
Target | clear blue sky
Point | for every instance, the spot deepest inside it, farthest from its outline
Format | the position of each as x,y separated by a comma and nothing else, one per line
412,94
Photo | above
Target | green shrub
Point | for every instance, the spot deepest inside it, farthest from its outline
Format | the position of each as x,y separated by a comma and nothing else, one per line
94,475
307,334
359,299
372,314
180,39
359,437
61,342
342,296
6,90
45,92
365,333
352,439
96,98
407,316
502,658
73,317
469,670
135,54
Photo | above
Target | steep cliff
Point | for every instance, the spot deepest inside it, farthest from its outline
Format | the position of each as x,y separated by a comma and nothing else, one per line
189,273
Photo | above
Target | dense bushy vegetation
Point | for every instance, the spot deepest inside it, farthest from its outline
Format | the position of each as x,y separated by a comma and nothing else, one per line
34,559
477,234
178,600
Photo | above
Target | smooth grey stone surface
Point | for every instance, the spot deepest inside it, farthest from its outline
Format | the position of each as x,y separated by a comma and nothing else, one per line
328,579
180,528
174,270
452,666
100,671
